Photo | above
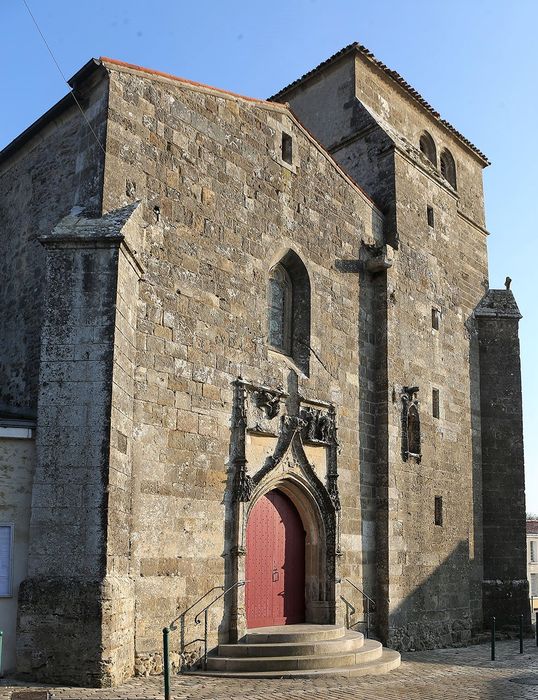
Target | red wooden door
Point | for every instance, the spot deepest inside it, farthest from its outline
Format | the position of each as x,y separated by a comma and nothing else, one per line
274,563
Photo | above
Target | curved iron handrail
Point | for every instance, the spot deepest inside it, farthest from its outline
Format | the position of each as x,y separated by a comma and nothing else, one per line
237,584
172,625
360,591
204,611
369,602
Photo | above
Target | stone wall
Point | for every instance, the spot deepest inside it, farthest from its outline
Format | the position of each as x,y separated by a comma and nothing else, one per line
505,586
75,622
221,207
430,573
58,168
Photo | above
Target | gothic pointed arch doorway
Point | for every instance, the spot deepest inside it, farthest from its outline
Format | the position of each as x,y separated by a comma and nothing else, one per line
275,562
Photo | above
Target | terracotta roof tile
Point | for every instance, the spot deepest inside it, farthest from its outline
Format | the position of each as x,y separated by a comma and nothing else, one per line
160,74
356,47
532,527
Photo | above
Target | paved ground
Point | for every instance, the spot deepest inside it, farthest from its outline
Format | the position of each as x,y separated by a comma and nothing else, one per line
444,674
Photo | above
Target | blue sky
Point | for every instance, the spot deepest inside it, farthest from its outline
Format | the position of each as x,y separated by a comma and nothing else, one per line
476,62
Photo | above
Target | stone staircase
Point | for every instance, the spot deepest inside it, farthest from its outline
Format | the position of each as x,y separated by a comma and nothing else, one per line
301,651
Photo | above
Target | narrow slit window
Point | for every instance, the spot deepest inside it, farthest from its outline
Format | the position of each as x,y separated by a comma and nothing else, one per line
438,508
287,148
430,217
435,403
436,318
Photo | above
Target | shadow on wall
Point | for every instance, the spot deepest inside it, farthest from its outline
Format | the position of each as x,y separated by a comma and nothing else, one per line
437,612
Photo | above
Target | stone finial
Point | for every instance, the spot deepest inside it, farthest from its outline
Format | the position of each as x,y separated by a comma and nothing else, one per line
507,282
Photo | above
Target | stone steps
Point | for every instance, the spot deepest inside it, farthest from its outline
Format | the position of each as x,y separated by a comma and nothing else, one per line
293,633
349,642
294,651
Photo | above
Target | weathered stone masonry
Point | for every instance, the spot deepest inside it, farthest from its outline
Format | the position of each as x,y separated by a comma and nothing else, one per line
162,411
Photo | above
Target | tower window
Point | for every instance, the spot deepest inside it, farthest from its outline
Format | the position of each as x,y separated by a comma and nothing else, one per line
427,146
436,318
430,216
448,167
287,148
438,510
435,403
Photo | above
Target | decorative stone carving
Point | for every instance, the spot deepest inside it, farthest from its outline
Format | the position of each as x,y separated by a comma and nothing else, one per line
262,406
258,410
268,402
243,486
294,422
319,425
242,483
411,446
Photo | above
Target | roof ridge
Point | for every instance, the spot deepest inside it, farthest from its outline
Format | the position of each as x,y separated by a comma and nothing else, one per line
393,75
170,76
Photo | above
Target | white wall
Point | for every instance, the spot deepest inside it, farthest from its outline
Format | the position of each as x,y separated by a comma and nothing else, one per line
17,460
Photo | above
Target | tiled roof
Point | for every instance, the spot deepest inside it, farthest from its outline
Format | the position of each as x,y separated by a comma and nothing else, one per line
532,527
393,75
169,76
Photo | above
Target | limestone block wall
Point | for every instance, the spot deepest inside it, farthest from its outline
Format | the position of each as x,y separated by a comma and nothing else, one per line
60,167
429,573
505,585
393,106
118,588
77,604
60,602
220,208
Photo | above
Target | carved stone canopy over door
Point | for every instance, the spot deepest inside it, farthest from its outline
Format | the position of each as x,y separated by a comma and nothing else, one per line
276,430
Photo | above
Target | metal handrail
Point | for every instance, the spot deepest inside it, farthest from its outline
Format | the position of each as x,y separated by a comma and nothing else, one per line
197,620
369,601
173,626
360,591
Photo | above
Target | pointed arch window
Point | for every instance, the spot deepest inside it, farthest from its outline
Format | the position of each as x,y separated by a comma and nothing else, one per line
280,309
288,310
448,167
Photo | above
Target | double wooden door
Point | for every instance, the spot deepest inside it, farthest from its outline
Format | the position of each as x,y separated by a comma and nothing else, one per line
275,563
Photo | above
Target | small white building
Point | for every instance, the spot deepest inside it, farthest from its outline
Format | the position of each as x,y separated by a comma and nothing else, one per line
532,561
17,460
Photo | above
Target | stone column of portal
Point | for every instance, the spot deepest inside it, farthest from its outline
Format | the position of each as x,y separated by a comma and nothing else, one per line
75,623
505,587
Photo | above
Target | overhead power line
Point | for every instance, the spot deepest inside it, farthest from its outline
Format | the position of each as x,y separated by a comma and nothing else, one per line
72,93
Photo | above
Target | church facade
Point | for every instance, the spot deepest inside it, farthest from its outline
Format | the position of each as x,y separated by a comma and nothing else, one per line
251,344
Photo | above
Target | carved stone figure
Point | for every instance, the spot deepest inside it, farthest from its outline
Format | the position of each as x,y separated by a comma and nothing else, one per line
411,447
